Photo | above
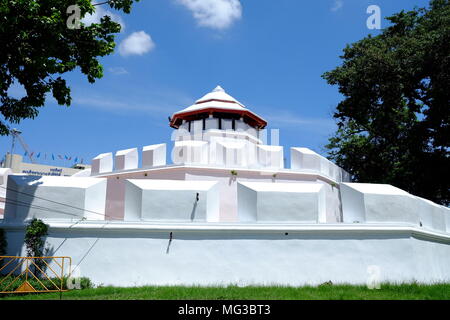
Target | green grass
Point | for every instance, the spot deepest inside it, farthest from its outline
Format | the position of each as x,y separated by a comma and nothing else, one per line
339,292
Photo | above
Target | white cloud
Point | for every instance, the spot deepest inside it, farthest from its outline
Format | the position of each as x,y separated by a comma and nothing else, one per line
338,4
101,12
136,43
216,14
118,70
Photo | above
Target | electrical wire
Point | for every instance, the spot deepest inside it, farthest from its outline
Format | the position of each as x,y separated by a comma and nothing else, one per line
56,202
28,205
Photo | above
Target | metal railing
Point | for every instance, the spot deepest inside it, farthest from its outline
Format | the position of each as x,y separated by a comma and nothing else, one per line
33,274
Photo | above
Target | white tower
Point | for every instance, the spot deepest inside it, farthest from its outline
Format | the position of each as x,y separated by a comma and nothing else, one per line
220,131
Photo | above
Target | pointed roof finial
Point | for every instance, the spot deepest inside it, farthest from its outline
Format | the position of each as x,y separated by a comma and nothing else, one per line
217,101
218,89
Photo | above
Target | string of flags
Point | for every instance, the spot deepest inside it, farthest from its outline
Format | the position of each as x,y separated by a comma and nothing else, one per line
52,156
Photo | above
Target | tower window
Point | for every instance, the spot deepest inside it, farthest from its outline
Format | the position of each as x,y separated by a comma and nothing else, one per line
233,124
204,124
220,123
189,126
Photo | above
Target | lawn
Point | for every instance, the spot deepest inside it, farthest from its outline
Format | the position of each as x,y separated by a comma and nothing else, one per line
339,292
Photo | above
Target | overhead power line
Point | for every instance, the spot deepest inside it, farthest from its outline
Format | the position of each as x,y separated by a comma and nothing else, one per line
56,202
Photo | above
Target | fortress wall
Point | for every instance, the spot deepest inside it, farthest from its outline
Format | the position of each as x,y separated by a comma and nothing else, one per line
135,255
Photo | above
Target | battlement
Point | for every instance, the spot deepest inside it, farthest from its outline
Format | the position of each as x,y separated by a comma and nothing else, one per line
221,152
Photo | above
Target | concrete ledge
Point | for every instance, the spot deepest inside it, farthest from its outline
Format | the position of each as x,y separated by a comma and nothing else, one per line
351,230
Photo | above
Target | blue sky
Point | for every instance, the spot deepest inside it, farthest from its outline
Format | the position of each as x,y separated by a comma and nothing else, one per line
269,55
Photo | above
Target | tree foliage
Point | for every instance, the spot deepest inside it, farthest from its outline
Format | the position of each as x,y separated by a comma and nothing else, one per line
34,241
393,123
37,48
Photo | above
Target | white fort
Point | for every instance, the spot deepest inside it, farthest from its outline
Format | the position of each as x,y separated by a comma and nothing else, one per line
227,210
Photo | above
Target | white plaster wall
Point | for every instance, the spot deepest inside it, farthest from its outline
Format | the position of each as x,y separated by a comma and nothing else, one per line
154,155
306,159
197,129
282,202
190,152
228,190
247,199
133,202
58,198
382,203
94,200
333,202
223,257
231,153
386,208
270,156
431,214
4,173
171,200
211,123
352,201
242,126
252,155
83,173
446,212
126,159
182,133
227,124
102,163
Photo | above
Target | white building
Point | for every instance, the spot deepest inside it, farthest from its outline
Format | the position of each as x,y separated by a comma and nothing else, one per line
226,211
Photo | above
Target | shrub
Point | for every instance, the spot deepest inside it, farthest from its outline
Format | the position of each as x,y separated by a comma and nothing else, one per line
34,241
84,282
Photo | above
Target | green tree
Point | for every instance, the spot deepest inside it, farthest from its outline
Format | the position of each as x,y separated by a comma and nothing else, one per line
37,48
393,123
35,242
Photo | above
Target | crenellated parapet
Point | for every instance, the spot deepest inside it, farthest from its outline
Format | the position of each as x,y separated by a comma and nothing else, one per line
369,203
128,159
304,159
